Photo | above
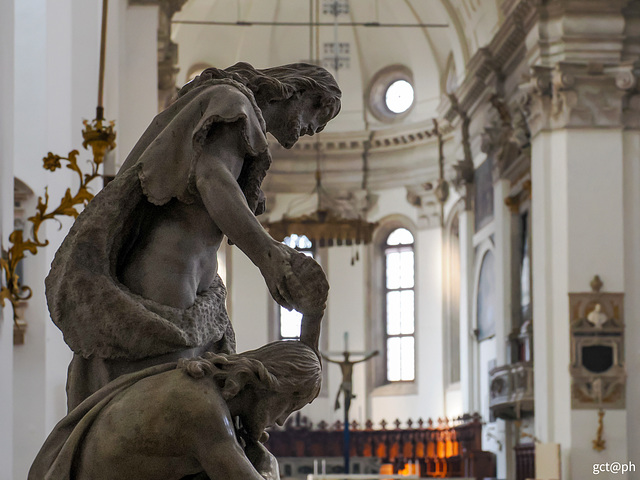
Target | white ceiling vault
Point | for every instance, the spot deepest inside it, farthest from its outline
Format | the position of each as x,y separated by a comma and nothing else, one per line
432,55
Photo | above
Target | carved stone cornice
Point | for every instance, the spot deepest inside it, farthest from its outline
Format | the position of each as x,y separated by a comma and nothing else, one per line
490,64
463,182
579,76
399,138
577,95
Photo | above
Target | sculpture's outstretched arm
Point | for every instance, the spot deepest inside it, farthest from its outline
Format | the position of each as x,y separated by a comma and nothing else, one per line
217,171
263,461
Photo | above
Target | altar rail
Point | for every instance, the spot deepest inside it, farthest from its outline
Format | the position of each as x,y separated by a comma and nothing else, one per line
446,448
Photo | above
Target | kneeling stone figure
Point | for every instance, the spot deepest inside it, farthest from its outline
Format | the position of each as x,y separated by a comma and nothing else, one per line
170,421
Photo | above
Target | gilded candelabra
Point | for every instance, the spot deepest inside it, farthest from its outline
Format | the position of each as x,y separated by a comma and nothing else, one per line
100,138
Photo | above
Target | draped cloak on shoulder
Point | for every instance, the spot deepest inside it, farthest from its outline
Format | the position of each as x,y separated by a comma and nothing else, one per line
99,316
58,457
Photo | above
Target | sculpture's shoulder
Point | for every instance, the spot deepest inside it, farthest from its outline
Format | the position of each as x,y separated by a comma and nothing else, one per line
182,406
230,102
231,92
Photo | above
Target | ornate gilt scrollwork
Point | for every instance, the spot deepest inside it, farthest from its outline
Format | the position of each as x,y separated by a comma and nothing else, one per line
101,139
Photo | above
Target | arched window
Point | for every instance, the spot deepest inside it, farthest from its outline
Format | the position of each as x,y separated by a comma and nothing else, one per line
290,321
485,302
399,303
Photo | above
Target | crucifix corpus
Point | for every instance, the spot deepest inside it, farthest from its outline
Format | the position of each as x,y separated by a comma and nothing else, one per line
346,387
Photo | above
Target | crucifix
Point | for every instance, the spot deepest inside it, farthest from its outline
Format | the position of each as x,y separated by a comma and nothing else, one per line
346,387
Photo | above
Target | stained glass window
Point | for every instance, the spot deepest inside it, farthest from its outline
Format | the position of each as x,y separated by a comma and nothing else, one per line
399,306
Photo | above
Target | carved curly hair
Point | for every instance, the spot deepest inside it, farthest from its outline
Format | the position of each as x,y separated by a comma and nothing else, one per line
277,83
287,367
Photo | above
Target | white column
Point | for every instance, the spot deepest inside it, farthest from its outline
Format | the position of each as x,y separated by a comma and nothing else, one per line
578,226
132,95
502,240
429,324
31,89
7,66
631,199
467,346
503,279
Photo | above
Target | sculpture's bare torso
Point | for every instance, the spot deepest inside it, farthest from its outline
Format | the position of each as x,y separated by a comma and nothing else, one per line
163,250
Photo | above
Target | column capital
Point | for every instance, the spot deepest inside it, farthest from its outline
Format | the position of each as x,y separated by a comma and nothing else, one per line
578,95
167,50
425,198
506,136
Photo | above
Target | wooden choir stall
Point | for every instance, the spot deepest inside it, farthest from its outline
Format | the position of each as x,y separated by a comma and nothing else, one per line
442,449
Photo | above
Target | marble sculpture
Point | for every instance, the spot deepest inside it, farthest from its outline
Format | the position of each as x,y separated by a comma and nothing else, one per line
155,389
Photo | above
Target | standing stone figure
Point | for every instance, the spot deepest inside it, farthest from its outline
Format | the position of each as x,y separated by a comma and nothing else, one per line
135,282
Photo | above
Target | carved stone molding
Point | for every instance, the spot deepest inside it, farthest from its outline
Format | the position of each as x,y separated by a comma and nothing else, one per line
398,138
463,181
424,198
491,64
511,391
506,136
573,95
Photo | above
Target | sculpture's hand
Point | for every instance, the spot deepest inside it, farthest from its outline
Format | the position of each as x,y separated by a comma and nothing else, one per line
295,280
263,461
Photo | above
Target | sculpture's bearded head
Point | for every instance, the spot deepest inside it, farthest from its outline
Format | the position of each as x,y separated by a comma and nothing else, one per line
296,99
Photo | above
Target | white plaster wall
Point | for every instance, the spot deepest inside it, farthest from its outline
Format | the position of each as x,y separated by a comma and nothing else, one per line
345,313
631,175
43,50
428,401
7,106
132,92
486,354
250,304
578,229
596,246
467,395
550,271
249,299
59,40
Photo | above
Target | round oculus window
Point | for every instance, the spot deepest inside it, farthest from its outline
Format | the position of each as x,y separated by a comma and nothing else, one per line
391,94
399,96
